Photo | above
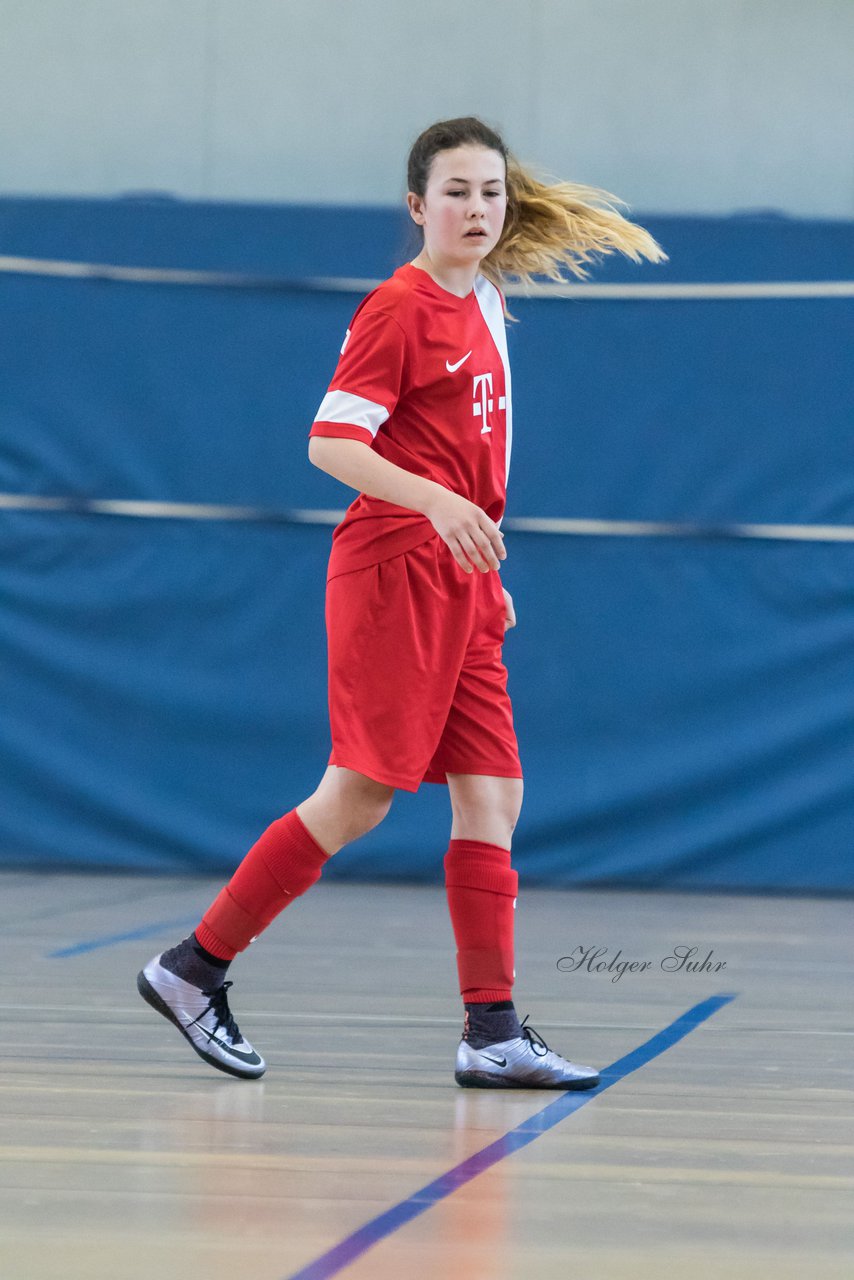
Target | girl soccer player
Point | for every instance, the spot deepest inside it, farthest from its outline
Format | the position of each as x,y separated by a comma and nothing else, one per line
418,419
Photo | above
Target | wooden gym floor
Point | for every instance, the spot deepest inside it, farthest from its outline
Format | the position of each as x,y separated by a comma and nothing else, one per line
727,1154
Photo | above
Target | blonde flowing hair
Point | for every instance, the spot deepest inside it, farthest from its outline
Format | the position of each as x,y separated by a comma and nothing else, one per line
550,227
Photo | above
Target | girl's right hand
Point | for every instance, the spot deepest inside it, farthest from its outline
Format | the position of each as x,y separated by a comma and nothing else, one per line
475,541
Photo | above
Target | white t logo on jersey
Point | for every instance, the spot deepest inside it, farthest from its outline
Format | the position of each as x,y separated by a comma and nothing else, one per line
483,401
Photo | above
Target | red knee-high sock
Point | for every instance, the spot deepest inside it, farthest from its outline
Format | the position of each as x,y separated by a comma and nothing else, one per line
482,892
280,866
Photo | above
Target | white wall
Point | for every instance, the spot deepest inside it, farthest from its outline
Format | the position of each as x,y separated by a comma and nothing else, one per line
674,105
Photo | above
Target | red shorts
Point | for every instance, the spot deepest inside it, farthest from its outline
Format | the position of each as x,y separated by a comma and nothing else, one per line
417,688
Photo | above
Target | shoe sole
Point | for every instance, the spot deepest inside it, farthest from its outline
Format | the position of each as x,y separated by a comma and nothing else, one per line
150,996
483,1080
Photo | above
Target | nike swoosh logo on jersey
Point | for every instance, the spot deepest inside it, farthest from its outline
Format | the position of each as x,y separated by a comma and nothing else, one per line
452,368
499,1062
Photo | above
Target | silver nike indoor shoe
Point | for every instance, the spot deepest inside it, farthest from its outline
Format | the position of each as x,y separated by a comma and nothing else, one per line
523,1063
203,1018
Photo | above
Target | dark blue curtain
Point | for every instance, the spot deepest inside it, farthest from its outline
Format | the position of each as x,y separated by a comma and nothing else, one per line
684,705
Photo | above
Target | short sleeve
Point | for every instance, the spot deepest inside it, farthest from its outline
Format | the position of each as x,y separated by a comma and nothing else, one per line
367,382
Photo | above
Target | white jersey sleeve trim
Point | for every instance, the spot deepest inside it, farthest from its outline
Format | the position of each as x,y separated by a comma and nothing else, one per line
355,411
489,301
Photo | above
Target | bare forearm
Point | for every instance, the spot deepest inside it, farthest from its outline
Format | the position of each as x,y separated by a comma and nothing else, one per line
475,539
356,464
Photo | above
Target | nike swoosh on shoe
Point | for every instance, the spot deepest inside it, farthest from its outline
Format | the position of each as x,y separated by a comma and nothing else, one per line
250,1058
499,1062
212,1038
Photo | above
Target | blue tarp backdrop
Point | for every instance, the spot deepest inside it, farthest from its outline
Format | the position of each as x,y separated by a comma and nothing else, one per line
685,705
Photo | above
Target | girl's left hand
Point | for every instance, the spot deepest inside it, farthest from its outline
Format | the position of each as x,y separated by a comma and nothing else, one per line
510,612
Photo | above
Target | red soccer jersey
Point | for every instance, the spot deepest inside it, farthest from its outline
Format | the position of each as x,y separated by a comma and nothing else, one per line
423,378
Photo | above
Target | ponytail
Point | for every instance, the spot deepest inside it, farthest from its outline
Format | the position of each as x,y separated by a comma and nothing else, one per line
559,226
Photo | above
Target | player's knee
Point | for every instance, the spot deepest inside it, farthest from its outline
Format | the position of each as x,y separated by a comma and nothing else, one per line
511,818
490,808
513,793
364,806
372,812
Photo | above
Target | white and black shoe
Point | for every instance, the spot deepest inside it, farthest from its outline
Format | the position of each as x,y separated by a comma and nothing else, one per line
203,1018
525,1062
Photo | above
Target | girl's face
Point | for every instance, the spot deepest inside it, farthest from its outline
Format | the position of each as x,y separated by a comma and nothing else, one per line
462,211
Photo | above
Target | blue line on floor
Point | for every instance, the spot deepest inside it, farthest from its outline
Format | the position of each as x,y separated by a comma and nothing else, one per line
132,935
353,1246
